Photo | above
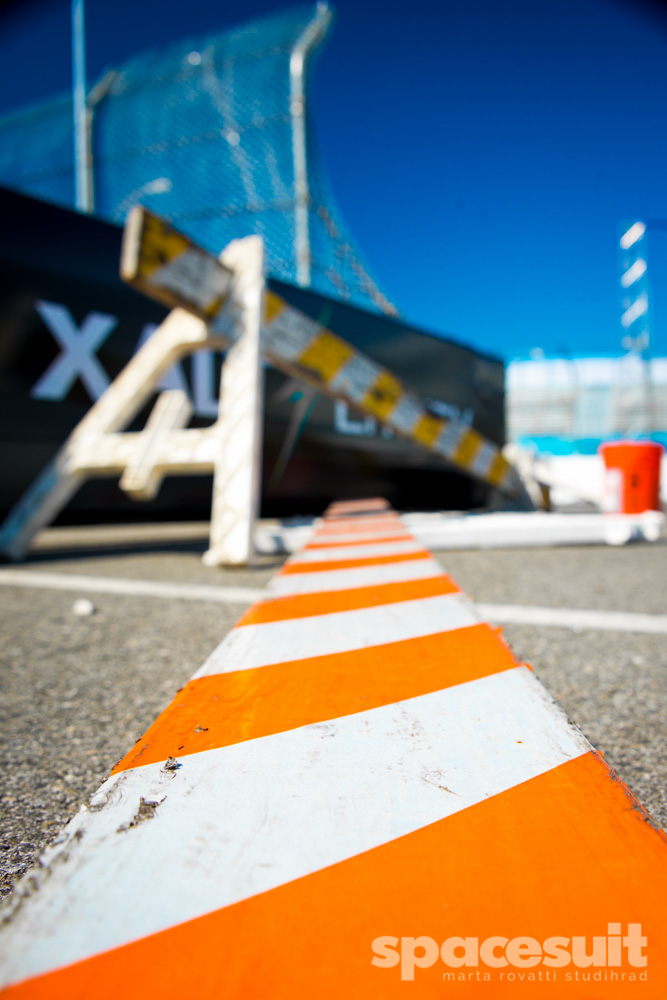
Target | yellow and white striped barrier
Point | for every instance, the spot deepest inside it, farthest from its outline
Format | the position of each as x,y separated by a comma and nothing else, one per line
167,266
224,306
156,256
360,794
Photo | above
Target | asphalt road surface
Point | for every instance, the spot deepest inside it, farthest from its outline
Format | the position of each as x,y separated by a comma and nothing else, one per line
78,691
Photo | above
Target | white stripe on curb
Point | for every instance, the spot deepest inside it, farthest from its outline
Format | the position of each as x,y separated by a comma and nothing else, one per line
249,646
358,551
333,540
362,576
353,784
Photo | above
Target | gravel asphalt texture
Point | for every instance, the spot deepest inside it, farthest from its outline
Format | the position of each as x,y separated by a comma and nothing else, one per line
613,685
77,692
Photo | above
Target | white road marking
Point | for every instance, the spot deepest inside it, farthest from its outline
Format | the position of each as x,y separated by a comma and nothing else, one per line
138,588
242,820
363,538
501,614
605,621
249,646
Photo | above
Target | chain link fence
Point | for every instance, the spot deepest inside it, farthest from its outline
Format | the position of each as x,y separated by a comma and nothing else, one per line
203,132
565,404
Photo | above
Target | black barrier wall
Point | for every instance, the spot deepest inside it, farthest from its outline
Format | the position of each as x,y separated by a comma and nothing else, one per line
68,325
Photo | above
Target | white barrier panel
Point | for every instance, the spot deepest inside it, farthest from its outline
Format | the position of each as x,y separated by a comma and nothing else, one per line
224,300
228,448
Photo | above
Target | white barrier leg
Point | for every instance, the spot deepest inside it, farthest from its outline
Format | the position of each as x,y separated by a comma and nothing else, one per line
143,476
236,484
90,448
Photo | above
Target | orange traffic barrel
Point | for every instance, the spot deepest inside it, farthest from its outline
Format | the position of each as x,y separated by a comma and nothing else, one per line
632,475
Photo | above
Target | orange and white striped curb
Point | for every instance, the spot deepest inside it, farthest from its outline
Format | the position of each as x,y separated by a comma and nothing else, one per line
361,793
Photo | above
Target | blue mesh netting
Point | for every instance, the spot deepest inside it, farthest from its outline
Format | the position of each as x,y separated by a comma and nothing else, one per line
36,151
200,132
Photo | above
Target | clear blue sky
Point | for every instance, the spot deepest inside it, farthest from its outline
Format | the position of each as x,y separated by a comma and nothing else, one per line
482,153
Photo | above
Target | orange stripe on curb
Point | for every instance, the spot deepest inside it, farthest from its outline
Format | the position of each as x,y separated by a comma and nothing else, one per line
356,506
563,854
345,525
220,709
306,605
359,515
317,567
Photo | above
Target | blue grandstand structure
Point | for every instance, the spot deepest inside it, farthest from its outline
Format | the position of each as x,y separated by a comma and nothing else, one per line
213,133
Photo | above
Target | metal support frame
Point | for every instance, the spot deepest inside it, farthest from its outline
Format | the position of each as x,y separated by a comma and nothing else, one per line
309,39
82,180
